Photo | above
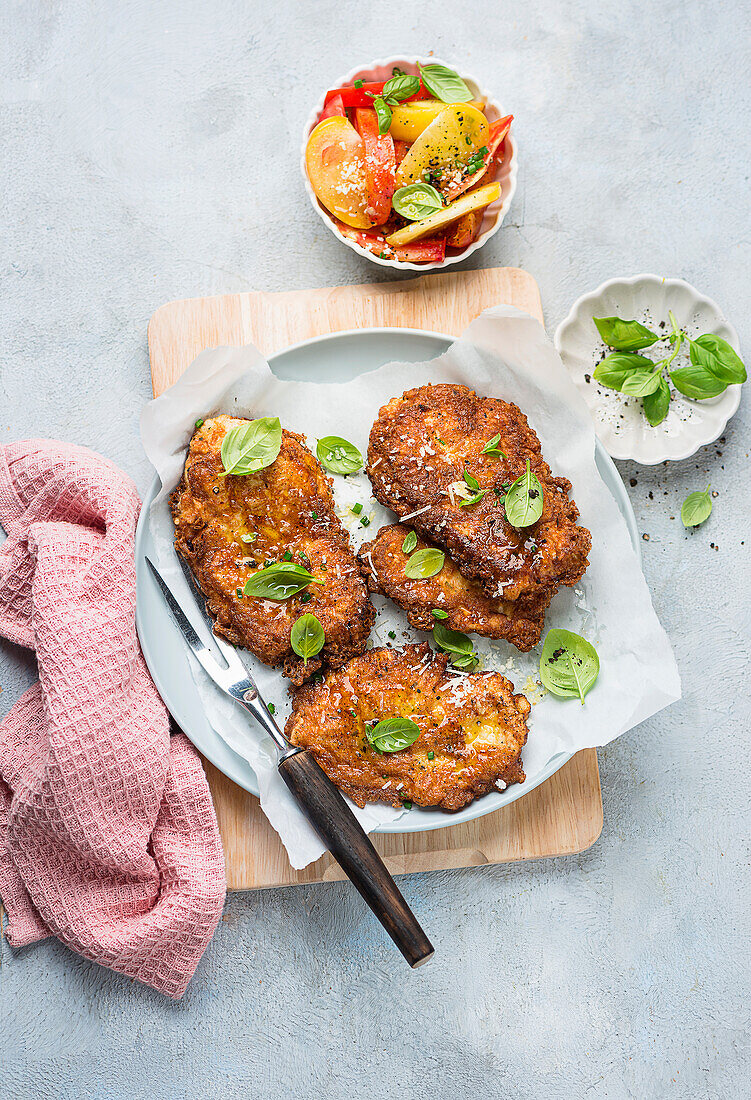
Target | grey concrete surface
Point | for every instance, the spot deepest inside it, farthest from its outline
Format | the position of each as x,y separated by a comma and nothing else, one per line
150,152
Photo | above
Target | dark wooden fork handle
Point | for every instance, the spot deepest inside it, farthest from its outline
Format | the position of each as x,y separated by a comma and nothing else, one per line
331,817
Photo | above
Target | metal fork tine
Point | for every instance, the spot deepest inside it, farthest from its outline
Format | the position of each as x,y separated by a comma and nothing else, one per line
228,652
186,627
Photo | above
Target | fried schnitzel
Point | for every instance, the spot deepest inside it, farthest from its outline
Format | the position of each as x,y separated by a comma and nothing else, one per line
229,527
466,606
472,729
420,447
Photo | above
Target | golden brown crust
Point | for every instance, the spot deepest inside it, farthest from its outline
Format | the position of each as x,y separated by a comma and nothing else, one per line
288,507
467,607
420,446
474,725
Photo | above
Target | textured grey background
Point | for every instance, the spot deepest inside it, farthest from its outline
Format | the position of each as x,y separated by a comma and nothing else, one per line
150,152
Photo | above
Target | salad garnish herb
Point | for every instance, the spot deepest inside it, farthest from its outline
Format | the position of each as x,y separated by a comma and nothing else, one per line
569,665
278,581
400,86
410,542
251,447
338,455
524,500
307,636
457,645
478,494
417,201
425,563
444,84
392,734
713,365
696,508
492,448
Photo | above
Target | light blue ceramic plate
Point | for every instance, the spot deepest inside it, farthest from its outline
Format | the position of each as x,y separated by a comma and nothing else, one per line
337,357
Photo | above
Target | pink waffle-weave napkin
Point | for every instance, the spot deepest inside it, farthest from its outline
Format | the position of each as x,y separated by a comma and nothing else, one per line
108,837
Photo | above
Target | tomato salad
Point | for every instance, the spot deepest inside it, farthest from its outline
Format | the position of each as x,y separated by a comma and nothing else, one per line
405,167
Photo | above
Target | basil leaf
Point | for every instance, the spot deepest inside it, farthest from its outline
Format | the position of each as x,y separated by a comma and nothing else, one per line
393,734
471,480
439,613
251,447
697,382
338,455
425,563
718,357
641,384
401,86
491,447
524,500
307,636
615,369
656,404
696,508
458,645
383,111
473,499
279,581
417,201
410,542
624,335
444,84
569,665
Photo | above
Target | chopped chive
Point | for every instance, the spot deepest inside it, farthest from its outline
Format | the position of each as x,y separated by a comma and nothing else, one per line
431,755
271,708
287,555
358,83
199,423
364,521
239,592
407,805
305,597
357,508
438,614
314,515
392,634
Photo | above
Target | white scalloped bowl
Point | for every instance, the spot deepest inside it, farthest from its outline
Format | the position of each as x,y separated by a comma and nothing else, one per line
505,174
618,419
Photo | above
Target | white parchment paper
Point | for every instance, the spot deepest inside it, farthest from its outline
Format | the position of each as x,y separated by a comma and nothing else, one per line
504,353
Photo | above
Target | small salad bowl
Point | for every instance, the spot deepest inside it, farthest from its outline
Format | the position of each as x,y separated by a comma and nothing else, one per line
472,231
619,419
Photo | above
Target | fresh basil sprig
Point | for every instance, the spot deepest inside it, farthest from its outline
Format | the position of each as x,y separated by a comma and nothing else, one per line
279,581
338,455
457,645
251,447
624,335
392,734
417,201
713,365
569,665
696,508
400,86
492,448
524,500
425,563
444,84
307,636
410,542
478,494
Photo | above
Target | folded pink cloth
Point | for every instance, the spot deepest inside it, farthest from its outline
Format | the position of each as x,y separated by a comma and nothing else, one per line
108,836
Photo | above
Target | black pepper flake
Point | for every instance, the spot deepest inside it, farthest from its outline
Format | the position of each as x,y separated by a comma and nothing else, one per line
633,482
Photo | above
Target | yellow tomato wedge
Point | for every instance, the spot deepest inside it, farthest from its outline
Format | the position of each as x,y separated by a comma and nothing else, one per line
408,120
453,136
335,162
468,202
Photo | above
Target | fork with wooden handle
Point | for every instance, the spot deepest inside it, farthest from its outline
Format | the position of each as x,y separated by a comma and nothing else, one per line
318,798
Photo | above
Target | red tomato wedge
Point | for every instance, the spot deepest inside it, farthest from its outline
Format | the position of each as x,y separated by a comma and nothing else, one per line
334,106
498,131
417,252
463,232
380,163
400,151
358,97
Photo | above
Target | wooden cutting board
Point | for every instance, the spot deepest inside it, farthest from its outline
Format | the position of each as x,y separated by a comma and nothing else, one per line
563,815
